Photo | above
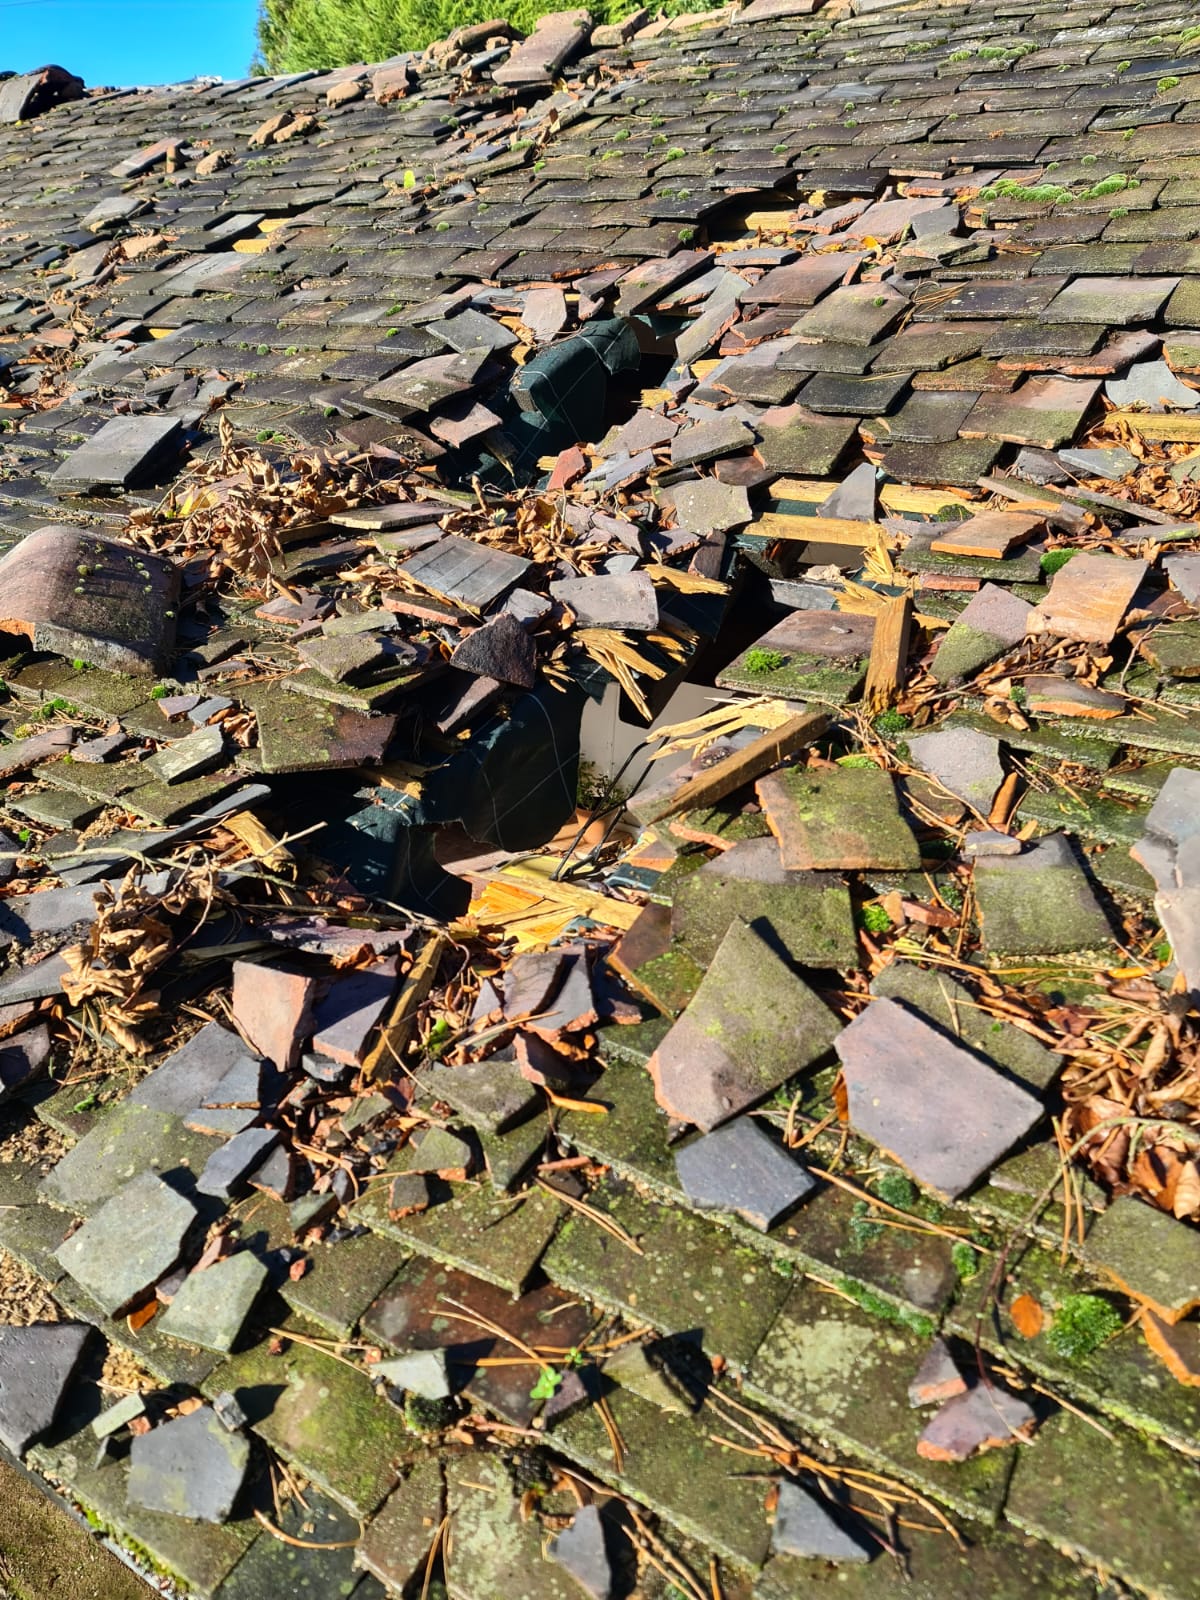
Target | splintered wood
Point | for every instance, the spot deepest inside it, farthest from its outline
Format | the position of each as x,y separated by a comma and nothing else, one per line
889,654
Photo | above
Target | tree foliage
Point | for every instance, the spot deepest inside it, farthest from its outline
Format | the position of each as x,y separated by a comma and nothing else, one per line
295,35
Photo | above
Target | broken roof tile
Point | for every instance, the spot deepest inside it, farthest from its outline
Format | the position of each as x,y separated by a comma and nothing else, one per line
1088,597
720,1057
91,598
844,818
740,1168
938,1109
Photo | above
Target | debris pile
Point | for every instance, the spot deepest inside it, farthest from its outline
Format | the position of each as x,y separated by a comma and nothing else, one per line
752,1149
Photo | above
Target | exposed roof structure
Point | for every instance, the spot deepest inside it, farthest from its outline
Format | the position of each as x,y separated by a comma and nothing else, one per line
770,1170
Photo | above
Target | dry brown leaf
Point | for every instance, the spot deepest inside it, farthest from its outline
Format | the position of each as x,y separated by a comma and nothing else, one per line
1027,1316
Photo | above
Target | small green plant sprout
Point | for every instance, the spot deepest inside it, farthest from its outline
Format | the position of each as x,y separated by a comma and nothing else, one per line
686,235
78,665
547,1384
759,660
1082,1323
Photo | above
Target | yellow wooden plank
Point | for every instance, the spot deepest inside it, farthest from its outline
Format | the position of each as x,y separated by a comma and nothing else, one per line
534,874
896,497
1163,429
826,530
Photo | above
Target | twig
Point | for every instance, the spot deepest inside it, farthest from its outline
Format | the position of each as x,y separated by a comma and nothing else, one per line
304,1544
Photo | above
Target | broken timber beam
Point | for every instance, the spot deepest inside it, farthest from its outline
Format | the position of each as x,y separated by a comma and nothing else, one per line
396,1031
889,654
742,766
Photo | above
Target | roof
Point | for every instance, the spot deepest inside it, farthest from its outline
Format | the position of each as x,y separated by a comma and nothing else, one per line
359,427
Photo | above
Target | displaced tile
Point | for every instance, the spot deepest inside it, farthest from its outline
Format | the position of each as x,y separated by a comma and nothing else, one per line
990,533
847,818
994,620
1152,385
500,650
459,569
938,1378
962,761
1046,412
227,1169
626,601
343,1021
804,915
1068,697
1088,597
949,1005
944,1114
804,1527
129,1244
188,757
720,1057
123,452
90,598
211,1307
1039,903
273,1009
420,1372
582,1550
190,1076
1149,1254
985,1418
740,1168
192,1467
37,1363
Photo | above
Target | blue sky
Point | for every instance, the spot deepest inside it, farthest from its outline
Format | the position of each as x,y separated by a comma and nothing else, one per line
129,41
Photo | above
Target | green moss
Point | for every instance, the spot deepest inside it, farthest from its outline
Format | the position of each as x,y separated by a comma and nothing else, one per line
763,660
891,722
894,1189
863,1226
1082,1323
1054,560
1164,84
876,1306
874,919
965,1261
